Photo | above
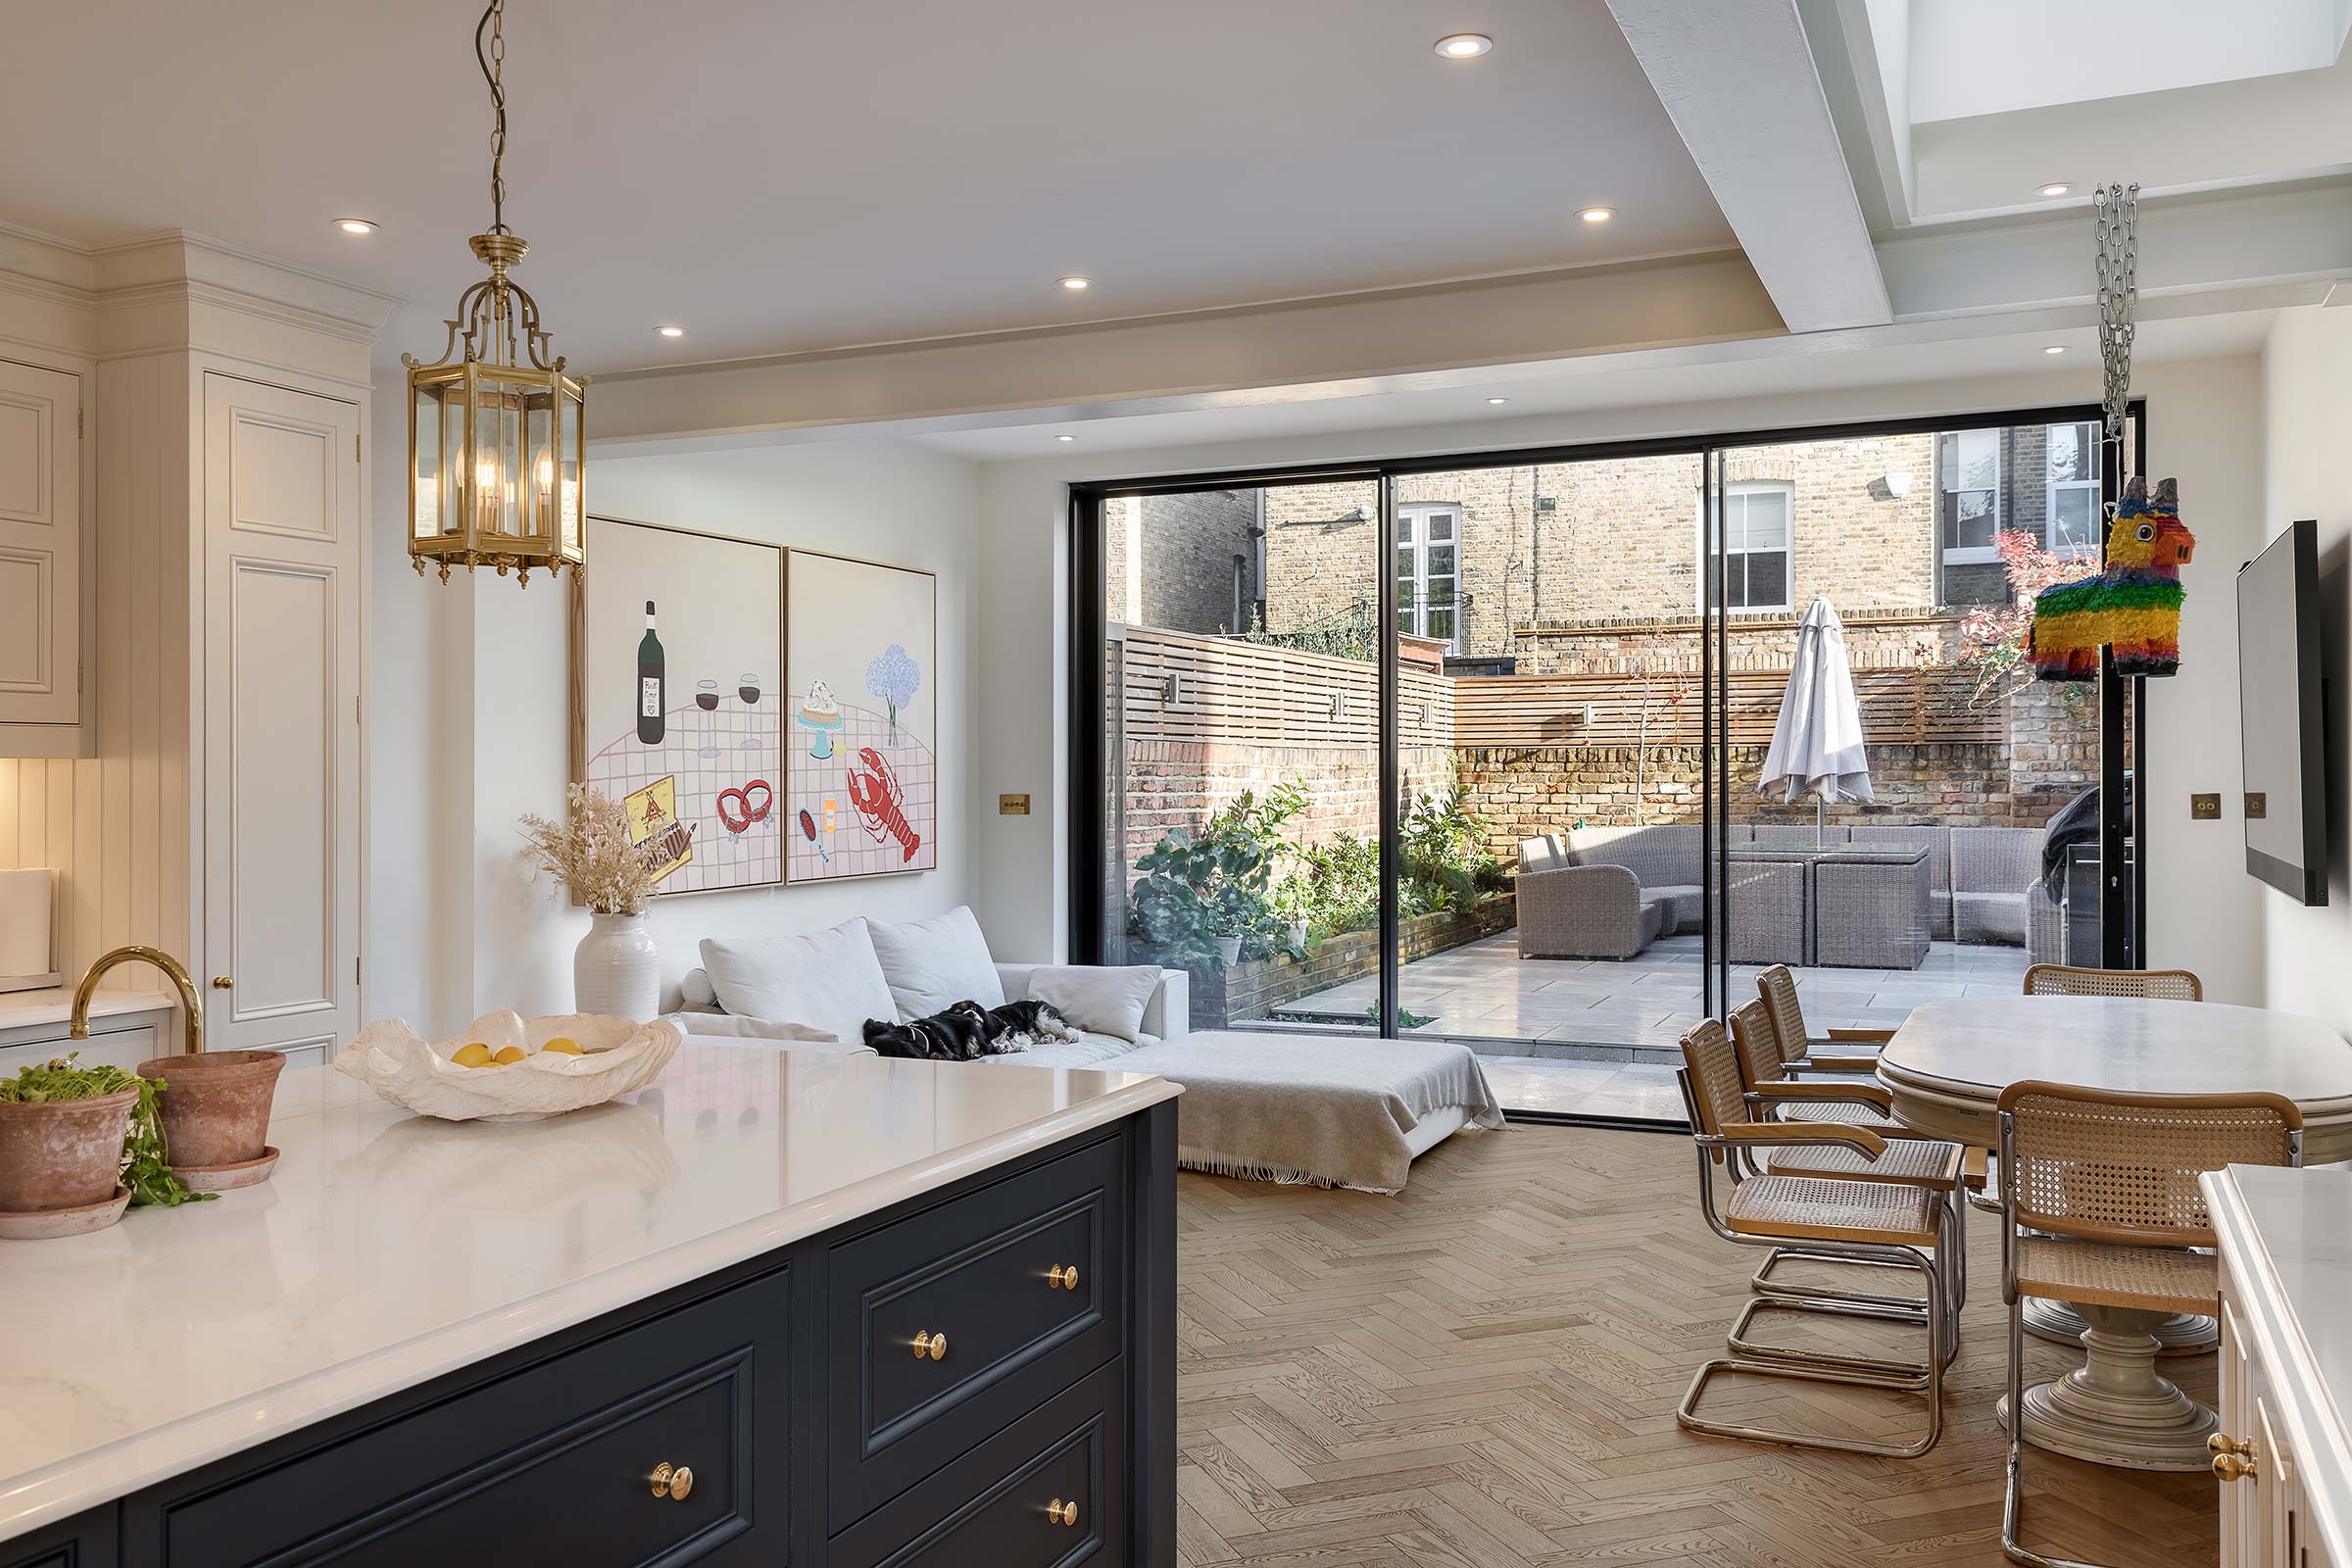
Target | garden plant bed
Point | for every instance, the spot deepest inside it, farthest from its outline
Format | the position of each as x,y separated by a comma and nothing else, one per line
1259,987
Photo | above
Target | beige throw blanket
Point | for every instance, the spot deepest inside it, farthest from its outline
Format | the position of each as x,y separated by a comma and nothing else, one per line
1311,1109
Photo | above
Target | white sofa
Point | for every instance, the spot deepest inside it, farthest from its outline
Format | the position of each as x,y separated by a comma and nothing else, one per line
1341,1111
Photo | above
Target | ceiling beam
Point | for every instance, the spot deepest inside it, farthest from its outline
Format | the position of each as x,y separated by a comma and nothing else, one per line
1737,80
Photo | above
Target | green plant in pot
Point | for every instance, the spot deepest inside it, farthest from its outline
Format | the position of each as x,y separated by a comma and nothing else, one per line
1204,896
77,1145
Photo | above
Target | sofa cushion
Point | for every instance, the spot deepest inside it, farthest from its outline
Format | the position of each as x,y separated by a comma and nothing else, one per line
933,965
1103,1001
1663,856
828,980
1685,906
1087,1050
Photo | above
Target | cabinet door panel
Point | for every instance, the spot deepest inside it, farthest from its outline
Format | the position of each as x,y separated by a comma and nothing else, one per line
281,715
41,551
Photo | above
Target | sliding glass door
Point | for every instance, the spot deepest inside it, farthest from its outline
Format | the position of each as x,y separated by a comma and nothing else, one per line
1528,753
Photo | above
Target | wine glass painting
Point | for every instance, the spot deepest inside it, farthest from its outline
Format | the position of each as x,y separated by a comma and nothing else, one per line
678,659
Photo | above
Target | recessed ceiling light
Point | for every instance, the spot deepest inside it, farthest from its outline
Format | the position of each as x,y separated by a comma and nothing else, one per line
1066,438
1075,283
2056,187
2055,348
1596,215
671,332
1497,401
354,225
1464,45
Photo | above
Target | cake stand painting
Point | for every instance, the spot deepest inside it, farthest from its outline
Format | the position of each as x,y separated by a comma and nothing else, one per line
678,705
862,781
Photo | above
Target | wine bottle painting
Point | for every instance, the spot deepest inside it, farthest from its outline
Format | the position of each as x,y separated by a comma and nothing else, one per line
652,685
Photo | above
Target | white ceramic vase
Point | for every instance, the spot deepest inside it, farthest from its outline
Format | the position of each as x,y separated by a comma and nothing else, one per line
616,971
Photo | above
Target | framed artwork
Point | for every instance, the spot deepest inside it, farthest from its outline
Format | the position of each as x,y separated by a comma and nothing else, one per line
677,701
862,780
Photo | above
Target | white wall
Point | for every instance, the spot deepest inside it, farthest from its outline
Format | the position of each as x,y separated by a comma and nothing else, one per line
2204,428
2307,407
469,729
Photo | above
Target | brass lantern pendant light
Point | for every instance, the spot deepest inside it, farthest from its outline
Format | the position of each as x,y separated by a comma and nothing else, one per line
494,425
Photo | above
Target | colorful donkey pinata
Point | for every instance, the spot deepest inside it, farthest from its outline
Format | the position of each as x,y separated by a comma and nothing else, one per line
2134,605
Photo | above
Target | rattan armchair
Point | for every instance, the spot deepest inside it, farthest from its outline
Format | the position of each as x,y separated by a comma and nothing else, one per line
1870,1214
2161,985
2100,1206
1776,987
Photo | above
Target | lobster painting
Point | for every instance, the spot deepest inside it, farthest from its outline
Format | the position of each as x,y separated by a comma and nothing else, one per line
875,791
2132,606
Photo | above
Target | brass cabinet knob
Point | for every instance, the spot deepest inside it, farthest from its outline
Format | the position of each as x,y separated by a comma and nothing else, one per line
934,1345
2219,1442
1063,1513
1064,1278
2230,1467
221,982
672,1481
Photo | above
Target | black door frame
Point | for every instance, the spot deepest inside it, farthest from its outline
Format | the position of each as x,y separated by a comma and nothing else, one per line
2123,903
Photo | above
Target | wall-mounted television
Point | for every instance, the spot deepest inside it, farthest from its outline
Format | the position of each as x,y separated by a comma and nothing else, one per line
2281,722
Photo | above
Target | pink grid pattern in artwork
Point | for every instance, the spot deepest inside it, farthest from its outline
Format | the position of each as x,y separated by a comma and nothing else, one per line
848,849
707,753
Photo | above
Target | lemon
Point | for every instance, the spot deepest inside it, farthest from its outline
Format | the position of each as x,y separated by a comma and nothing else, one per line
564,1045
508,1056
475,1055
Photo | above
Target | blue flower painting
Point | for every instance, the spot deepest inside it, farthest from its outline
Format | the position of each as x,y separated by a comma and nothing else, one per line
894,678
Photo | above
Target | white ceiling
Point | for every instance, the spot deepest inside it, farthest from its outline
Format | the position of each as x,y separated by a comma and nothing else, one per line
782,177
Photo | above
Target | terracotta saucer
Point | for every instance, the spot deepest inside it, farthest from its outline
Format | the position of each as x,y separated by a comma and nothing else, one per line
223,1178
43,1223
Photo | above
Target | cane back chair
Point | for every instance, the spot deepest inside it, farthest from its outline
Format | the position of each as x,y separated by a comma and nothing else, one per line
2159,985
2100,1207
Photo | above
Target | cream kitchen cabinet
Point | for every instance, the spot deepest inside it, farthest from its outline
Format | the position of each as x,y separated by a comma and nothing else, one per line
44,564
2282,1459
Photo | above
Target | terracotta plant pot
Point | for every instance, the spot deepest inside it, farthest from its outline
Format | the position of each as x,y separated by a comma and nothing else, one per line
62,1153
214,1107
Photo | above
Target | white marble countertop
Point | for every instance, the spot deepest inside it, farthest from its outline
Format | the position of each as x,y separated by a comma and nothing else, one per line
2287,1236
22,1010
389,1248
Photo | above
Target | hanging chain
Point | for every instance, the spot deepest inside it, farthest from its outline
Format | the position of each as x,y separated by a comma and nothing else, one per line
2117,268
494,70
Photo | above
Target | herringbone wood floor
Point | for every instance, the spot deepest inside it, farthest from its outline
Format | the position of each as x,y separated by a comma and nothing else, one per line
1482,1373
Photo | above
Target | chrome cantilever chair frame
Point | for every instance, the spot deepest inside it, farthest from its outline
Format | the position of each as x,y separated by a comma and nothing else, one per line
1937,1313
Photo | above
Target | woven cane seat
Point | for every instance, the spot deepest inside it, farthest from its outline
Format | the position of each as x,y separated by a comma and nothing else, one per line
2150,1279
1910,1159
1844,1113
1799,1209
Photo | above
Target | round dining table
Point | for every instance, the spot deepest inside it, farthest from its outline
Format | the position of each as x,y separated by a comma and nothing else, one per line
1945,1070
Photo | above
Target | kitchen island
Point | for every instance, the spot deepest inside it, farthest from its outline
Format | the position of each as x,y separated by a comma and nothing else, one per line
778,1307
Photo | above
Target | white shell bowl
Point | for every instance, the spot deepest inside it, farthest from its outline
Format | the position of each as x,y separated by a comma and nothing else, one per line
619,1055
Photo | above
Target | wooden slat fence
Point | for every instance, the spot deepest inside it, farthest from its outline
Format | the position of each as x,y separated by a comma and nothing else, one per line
1231,691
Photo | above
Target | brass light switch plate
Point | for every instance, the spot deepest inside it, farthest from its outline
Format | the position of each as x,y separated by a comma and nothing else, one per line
2204,808
2258,805
1012,806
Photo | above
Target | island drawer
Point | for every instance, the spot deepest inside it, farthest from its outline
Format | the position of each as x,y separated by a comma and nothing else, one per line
551,1462
992,1505
981,1271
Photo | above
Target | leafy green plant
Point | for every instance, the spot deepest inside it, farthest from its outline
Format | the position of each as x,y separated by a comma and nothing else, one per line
1198,887
1406,1017
1446,863
1335,886
146,1170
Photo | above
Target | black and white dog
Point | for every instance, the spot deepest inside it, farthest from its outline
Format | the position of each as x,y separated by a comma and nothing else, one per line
967,1031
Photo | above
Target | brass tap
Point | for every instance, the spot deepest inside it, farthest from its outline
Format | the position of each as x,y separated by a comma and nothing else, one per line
173,971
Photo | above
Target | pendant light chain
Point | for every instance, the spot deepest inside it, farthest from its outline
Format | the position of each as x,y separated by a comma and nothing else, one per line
2118,270
494,71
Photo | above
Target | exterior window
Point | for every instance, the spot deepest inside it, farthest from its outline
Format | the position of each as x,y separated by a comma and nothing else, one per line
1428,571
2074,489
1755,546
1968,469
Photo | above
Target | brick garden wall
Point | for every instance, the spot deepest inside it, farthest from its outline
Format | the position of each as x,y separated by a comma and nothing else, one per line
1173,784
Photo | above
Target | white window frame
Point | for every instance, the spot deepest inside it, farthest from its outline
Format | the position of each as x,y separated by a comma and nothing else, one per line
1414,621
2053,488
1969,555
1749,487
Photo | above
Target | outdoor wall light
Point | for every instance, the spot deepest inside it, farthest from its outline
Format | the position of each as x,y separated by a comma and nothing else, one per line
1899,485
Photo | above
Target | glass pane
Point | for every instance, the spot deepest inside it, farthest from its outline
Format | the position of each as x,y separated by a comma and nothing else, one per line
1439,623
1441,560
1975,460
539,463
568,478
453,480
1440,525
425,483
1968,519
1405,522
2072,508
1767,514
512,475
1767,579
2072,451
1241,824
